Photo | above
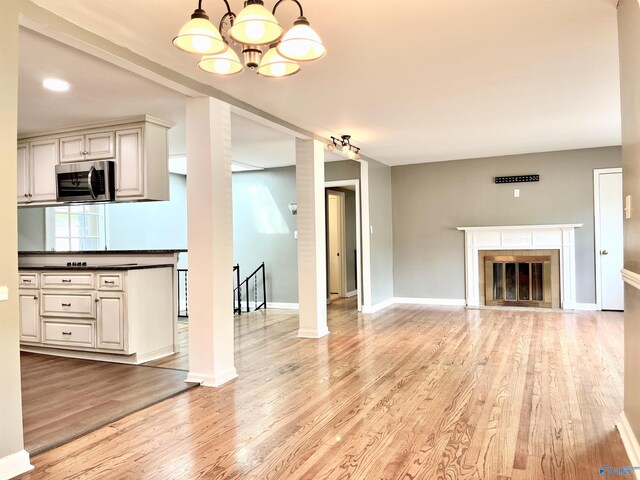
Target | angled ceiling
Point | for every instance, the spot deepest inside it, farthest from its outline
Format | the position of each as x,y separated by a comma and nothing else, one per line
418,81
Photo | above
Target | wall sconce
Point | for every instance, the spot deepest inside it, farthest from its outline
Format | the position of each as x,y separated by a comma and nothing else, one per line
344,142
293,208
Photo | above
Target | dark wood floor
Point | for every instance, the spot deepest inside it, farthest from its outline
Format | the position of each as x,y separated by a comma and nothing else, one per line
64,398
411,392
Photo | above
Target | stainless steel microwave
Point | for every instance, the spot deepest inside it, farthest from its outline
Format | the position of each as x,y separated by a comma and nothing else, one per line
86,181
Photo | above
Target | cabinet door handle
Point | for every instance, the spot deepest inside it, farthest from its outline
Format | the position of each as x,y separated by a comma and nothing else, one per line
66,333
109,282
97,300
66,280
35,297
26,195
24,280
66,304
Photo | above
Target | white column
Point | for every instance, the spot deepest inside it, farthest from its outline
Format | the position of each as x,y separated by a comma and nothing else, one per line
14,460
210,242
312,266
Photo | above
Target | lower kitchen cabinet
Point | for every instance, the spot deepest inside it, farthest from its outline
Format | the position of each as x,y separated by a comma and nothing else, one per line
120,316
111,320
29,316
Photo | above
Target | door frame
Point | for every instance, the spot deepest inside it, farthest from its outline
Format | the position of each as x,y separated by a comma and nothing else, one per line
597,172
359,246
343,244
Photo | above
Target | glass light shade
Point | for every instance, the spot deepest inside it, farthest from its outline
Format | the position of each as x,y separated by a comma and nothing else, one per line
346,148
225,63
275,65
356,156
301,43
200,36
351,154
255,25
331,147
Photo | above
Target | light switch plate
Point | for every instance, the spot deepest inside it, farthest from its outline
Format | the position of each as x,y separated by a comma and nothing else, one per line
627,207
516,193
4,294
295,234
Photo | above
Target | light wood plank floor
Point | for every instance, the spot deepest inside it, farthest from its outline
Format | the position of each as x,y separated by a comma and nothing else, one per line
411,392
63,398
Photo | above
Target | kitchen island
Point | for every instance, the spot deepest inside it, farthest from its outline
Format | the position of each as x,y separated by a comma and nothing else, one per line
117,306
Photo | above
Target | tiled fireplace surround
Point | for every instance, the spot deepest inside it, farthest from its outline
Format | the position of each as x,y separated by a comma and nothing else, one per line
521,239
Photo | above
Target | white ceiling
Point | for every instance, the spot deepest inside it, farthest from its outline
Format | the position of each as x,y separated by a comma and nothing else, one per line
416,81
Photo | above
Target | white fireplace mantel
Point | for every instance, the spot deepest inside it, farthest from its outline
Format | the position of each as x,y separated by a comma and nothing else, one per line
522,237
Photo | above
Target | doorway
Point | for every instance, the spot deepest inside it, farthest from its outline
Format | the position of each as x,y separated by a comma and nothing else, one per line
608,215
344,278
336,247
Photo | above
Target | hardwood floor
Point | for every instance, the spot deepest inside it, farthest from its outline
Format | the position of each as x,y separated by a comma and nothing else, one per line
63,398
411,392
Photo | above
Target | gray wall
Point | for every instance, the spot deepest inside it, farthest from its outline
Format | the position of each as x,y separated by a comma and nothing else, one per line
31,229
150,225
431,200
629,37
263,229
382,238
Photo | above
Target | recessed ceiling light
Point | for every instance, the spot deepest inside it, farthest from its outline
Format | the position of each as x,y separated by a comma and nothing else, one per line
55,84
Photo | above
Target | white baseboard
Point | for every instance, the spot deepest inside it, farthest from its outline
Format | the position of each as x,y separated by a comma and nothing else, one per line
212,380
15,464
630,443
308,333
378,306
589,307
155,355
443,302
351,294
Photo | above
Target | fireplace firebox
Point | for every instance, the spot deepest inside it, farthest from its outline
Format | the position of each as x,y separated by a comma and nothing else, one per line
522,281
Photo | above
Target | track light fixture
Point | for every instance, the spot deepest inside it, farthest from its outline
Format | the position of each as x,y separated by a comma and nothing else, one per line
253,29
344,143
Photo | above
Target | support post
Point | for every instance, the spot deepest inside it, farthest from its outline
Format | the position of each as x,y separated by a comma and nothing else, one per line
210,241
312,266
14,460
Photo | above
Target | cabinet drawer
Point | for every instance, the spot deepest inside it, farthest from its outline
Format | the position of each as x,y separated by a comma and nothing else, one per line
77,305
28,280
69,334
67,280
110,281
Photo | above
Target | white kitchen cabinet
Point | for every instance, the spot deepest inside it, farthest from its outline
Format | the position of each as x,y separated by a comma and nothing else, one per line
129,164
89,146
23,173
111,320
29,316
137,145
124,316
37,162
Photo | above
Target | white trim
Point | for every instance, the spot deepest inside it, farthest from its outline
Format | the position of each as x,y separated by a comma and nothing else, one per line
521,237
378,306
212,381
360,257
596,226
446,302
630,443
312,333
283,306
15,464
343,241
587,307
365,285
631,278
350,294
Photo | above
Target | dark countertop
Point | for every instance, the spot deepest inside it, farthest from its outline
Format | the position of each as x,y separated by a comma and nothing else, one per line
105,252
90,268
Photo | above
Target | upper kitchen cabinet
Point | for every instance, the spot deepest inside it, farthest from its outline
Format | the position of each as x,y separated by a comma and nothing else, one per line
91,146
137,145
37,160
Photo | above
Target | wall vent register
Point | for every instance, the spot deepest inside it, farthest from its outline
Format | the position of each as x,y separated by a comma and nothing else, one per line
518,179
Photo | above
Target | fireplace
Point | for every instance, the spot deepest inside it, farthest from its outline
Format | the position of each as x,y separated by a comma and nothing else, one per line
520,281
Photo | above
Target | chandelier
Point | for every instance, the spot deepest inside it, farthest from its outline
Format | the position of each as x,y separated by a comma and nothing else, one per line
344,143
255,29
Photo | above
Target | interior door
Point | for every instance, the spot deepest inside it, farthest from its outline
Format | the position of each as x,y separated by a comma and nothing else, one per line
335,245
610,255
